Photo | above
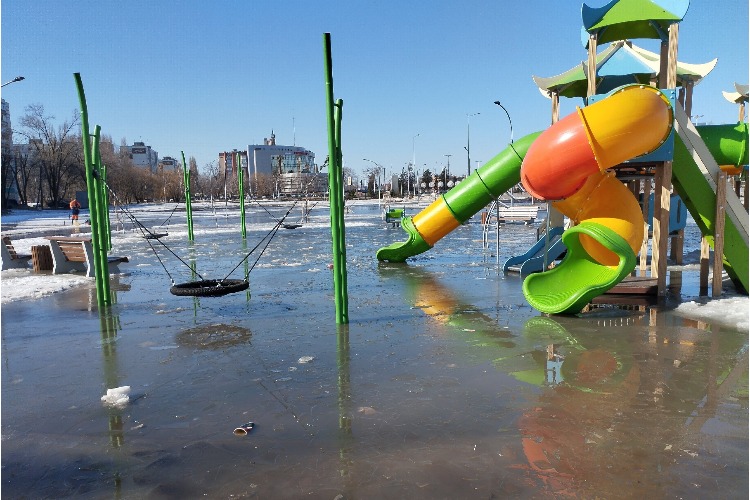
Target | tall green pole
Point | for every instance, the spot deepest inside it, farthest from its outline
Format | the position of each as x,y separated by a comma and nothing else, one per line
101,265
241,181
335,174
102,280
343,287
188,203
105,199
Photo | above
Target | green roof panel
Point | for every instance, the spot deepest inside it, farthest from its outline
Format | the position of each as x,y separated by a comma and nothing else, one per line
631,19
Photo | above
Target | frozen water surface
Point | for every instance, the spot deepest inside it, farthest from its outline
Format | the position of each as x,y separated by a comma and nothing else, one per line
445,384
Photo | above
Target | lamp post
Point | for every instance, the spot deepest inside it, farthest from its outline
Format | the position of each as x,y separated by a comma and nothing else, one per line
413,162
377,174
446,170
16,79
468,144
509,120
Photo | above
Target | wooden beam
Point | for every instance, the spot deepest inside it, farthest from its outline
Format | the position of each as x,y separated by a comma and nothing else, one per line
677,246
689,98
660,239
646,203
555,107
718,263
663,58
591,70
703,278
674,30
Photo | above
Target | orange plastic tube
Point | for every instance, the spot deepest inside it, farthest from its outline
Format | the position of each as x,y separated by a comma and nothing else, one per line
633,121
568,162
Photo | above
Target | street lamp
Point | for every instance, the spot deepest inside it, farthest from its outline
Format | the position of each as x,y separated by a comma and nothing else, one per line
16,79
413,162
509,120
468,147
377,174
445,175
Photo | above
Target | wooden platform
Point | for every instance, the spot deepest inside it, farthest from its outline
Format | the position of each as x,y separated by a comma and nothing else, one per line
635,285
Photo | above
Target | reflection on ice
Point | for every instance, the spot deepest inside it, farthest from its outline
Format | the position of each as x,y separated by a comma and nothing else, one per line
446,384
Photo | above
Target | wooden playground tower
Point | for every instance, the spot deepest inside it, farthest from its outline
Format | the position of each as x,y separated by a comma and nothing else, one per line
619,22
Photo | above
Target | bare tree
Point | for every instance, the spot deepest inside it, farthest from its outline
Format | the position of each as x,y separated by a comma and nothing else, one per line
58,151
24,168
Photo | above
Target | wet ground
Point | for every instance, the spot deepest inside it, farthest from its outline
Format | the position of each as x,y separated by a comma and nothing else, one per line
445,384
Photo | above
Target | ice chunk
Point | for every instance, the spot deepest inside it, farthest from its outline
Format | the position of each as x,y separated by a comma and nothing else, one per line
117,396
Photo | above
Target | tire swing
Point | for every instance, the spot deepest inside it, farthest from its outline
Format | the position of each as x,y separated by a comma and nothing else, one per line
225,286
209,288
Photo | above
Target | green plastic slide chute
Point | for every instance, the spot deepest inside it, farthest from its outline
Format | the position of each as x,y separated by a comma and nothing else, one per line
466,199
728,144
567,288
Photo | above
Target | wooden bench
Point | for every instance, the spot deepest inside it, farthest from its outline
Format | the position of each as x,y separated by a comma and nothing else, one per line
75,253
526,214
12,260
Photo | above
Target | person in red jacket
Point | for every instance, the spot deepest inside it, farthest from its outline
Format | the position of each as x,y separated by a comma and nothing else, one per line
75,209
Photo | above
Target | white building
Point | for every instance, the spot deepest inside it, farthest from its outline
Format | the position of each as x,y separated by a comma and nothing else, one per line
293,167
271,158
142,155
169,164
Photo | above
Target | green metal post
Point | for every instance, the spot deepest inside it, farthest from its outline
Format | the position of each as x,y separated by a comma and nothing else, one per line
336,198
241,181
188,204
105,199
99,232
102,299
342,275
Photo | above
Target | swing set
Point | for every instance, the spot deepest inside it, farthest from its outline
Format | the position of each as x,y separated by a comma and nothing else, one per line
205,287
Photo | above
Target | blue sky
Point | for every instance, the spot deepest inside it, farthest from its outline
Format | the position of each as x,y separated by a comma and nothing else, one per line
204,77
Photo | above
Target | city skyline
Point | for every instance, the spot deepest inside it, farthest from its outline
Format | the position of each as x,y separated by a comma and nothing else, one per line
418,84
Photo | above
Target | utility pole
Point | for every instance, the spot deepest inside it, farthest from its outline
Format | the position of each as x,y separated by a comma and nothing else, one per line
445,172
468,144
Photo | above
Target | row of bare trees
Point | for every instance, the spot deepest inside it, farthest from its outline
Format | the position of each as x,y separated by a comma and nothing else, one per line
48,168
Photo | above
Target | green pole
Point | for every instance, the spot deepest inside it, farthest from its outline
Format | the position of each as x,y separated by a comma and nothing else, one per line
99,243
105,198
188,203
335,192
241,181
101,298
342,275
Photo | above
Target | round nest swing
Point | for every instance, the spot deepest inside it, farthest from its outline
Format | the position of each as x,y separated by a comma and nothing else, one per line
209,288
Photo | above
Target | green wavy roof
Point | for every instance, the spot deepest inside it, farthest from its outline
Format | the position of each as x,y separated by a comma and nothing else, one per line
631,19
619,64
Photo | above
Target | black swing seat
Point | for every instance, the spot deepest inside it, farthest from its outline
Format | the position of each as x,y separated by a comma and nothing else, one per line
155,236
209,288
291,226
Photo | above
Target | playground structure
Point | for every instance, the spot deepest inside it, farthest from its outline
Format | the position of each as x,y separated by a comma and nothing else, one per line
571,165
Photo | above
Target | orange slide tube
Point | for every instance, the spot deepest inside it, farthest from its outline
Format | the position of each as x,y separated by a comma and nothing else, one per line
567,163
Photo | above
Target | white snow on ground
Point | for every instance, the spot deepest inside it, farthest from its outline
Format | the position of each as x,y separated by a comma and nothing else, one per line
20,284
731,312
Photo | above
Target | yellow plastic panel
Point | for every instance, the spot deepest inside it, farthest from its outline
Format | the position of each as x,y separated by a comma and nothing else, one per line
435,221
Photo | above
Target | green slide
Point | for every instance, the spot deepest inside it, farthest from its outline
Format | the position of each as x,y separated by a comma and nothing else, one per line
567,288
456,206
694,178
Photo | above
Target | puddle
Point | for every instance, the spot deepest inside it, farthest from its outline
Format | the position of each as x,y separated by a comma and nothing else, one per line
445,384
